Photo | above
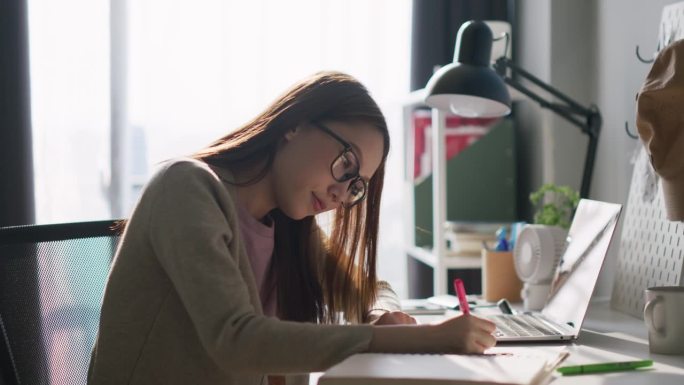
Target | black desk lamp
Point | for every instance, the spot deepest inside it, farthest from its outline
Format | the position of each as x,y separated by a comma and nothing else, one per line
470,87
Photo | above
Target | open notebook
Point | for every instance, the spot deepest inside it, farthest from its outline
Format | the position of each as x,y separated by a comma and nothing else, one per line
501,365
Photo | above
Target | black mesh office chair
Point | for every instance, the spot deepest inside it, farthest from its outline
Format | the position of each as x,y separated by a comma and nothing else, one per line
51,283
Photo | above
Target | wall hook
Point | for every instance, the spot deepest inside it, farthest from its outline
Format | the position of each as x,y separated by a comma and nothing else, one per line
629,133
641,59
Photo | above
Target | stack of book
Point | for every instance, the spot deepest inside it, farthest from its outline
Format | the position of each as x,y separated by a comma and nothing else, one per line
469,238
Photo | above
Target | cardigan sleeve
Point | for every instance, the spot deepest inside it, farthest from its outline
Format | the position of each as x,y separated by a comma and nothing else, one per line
386,298
191,235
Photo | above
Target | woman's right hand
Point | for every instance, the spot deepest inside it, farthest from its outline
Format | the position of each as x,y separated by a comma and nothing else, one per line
464,334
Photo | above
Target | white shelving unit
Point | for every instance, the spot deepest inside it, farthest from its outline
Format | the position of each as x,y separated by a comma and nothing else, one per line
429,258
436,258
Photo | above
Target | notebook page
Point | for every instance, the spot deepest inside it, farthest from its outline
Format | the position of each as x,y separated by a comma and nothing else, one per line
501,365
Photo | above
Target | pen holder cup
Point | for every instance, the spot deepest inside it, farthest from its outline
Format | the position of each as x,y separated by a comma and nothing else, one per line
499,279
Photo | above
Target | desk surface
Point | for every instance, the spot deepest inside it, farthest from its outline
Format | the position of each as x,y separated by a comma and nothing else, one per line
608,335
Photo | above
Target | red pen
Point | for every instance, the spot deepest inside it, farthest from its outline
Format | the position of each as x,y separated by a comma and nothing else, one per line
461,293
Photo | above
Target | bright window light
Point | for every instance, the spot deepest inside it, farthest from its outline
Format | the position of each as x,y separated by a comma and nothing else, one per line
196,70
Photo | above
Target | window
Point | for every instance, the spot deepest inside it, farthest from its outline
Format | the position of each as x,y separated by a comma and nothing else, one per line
192,72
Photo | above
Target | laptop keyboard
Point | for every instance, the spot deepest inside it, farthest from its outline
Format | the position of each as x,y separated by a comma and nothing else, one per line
520,325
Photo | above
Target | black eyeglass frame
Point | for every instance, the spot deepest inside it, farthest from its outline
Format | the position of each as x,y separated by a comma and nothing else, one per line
347,149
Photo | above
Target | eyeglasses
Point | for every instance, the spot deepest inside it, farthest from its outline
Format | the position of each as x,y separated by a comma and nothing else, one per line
346,167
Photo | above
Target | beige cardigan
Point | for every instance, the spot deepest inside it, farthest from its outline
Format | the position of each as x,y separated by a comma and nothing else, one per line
181,304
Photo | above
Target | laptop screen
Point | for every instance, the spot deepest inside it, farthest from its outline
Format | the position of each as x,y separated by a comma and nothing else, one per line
588,239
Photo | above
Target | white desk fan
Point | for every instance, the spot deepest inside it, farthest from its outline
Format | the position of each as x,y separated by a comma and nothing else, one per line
537,251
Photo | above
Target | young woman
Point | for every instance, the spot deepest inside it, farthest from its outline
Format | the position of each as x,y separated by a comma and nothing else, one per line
222,275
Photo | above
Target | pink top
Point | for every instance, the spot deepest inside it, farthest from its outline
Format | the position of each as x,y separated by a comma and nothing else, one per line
259,243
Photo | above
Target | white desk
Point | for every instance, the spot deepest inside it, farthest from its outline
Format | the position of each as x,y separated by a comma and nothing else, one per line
608,335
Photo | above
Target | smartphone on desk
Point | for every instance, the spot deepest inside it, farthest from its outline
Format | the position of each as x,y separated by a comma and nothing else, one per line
421,307
479,307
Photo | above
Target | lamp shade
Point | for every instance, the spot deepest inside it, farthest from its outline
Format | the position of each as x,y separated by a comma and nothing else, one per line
469,87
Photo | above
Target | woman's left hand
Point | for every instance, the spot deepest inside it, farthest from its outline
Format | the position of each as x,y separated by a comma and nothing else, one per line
393,318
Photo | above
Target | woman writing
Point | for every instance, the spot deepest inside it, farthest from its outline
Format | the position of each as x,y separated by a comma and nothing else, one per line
222,275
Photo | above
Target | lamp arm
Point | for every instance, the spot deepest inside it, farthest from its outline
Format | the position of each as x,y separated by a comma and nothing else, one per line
588,166
505,63
566,112
590,125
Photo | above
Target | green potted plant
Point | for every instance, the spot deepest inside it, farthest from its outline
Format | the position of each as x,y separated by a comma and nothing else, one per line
555,205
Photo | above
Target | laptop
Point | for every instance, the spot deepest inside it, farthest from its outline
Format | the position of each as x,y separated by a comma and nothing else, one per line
561,318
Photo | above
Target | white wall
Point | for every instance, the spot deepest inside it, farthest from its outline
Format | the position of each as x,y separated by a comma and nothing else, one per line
586,49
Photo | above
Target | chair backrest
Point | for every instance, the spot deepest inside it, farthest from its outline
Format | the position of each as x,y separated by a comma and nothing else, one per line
52,279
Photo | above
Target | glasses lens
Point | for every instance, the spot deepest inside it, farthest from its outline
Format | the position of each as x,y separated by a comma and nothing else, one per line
345,167
357,191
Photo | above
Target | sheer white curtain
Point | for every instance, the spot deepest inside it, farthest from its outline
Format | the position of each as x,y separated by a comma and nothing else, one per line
197,70
69,70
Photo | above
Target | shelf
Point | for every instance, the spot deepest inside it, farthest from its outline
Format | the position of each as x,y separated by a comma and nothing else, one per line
437,191
449,262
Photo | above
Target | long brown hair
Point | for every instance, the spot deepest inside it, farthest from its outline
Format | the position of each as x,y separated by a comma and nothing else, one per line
319,280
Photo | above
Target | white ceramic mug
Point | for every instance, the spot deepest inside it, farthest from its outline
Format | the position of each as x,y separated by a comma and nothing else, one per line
663,314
